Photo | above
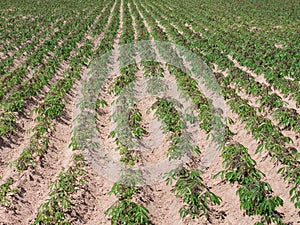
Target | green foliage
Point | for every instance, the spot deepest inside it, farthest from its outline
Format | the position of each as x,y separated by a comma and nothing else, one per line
128,212
135,118
125,211
195,195
5,191
255,195
127,77
166,111
7,123
55,209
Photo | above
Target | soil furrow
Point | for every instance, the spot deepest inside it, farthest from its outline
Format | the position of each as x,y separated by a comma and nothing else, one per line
34,183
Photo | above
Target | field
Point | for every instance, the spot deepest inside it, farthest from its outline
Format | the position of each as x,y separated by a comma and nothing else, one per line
150,112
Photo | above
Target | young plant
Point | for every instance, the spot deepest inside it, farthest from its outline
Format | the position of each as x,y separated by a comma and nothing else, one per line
190,187
125,211
135,118
54,210
6,190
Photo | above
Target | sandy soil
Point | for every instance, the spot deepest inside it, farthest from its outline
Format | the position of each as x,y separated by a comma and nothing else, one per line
90,202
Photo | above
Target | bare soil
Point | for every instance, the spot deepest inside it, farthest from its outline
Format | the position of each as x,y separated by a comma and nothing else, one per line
90,202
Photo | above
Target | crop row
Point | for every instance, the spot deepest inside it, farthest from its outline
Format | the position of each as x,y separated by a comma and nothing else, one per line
15,98
53,105
252,49
267,217
189,185
127,117
266,134
58,212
